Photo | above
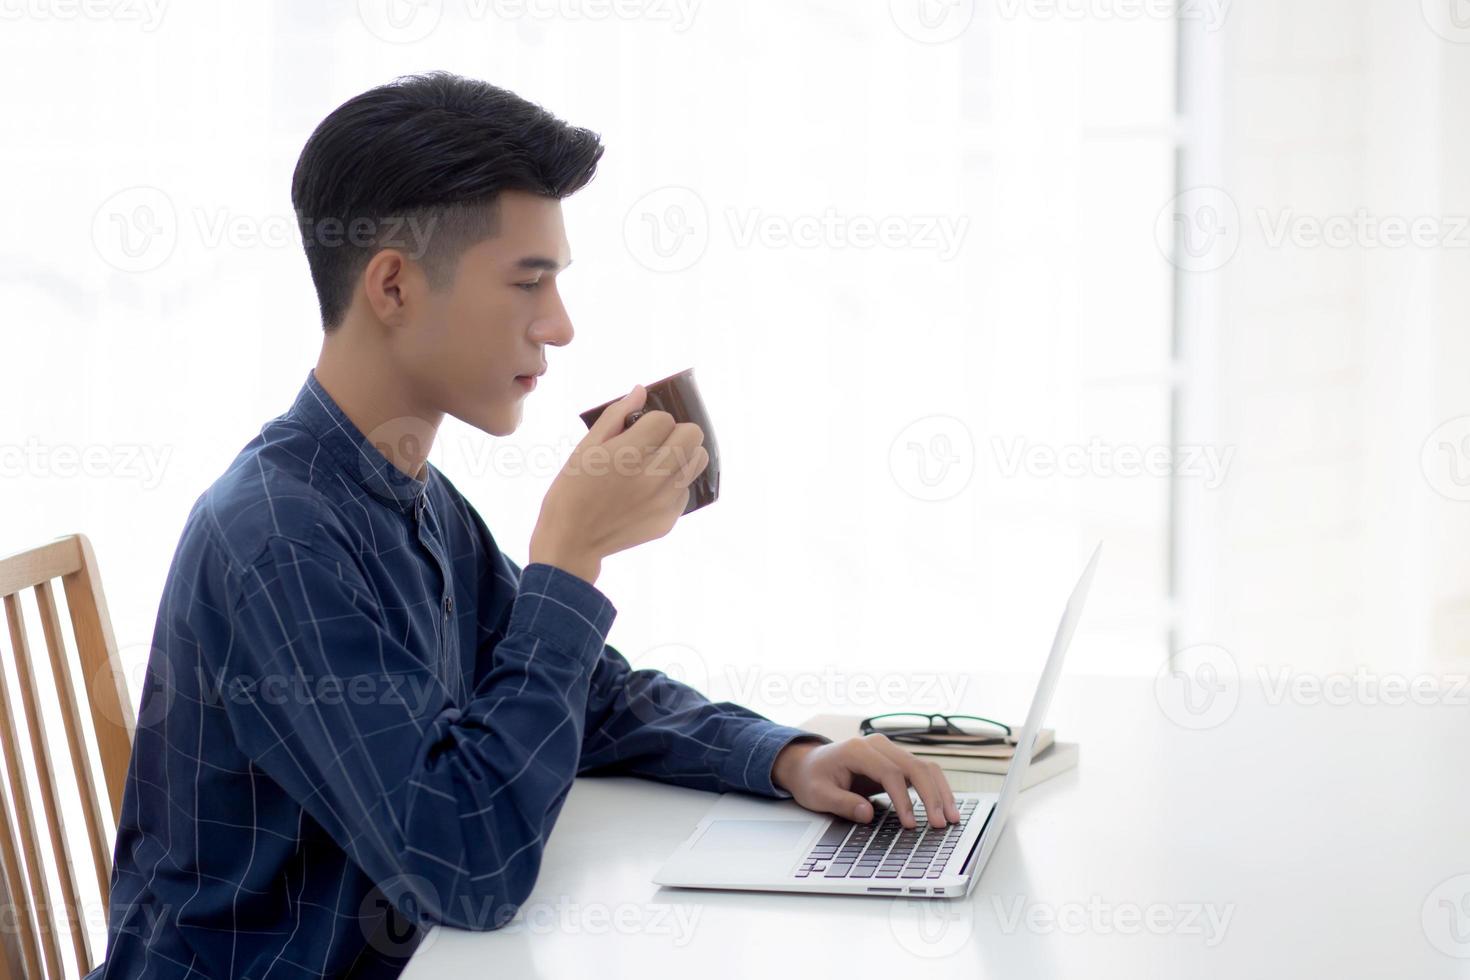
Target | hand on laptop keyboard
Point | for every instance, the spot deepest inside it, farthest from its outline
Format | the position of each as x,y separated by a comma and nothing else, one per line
837,777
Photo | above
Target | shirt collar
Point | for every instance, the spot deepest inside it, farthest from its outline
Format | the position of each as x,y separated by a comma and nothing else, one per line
324,418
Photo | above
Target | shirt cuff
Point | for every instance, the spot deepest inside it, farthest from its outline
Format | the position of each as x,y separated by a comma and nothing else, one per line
565,610
753,756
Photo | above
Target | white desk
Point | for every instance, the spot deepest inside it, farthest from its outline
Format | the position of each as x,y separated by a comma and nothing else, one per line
1305,825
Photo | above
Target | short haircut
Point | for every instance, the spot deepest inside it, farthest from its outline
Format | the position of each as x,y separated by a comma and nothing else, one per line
417,164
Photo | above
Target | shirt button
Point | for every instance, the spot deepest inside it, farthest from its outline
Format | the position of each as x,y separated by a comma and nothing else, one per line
448,604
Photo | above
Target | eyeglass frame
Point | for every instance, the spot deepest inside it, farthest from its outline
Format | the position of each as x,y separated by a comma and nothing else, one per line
934,735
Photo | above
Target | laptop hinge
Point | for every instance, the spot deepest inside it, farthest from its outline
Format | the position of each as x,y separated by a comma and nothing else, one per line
979,839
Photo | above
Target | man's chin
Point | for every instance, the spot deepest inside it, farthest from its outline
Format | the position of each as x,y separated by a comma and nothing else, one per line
497,420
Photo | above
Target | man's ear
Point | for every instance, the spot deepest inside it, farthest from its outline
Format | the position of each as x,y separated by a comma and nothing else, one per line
388,282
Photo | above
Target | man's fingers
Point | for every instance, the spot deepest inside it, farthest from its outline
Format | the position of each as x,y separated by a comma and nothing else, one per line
927,778
848,804
615,416
650,432
883,770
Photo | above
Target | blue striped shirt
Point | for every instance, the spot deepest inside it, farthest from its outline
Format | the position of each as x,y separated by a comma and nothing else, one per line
362,719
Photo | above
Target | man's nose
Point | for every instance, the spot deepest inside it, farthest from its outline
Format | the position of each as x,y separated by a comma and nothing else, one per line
554,328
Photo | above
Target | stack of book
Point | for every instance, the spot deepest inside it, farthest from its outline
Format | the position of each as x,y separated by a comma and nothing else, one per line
969,769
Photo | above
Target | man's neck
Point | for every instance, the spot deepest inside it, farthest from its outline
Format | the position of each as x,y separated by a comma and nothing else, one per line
375,397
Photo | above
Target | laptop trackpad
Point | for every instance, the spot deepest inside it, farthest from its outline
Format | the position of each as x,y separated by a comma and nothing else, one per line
752,835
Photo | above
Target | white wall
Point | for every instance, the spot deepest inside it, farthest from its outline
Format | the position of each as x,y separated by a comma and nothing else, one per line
1336,547
1034,318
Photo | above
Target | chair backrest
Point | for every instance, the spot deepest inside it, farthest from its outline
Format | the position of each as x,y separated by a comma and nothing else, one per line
31,932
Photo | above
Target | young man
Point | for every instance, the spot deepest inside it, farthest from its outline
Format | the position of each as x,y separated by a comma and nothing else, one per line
363,717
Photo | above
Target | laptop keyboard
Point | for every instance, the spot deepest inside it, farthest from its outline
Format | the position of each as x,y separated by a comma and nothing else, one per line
882,848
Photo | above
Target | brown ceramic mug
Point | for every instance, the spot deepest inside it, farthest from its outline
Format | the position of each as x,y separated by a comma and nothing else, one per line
679,396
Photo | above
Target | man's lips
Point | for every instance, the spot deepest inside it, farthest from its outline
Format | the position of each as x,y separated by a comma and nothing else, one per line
528,381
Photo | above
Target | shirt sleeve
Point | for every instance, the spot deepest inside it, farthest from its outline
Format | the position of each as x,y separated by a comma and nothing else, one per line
645,723
447,808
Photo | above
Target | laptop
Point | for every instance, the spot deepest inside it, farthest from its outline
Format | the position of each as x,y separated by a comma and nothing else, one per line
751,843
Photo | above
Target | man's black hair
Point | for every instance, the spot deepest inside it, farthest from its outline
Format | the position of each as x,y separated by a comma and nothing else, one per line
417,164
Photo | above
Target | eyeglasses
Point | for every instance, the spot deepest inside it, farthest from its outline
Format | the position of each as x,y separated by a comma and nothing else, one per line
921,729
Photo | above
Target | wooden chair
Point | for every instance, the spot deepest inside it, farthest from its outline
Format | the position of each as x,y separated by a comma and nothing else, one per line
31,932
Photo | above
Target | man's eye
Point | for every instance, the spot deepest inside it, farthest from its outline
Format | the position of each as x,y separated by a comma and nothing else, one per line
528,286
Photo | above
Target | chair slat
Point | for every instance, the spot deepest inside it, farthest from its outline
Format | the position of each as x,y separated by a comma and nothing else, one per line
30,700
30,946
39,893
107,693
72,721
12,964
16,900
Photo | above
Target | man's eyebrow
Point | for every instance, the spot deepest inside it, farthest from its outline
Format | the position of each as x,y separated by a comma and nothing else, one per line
542,263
